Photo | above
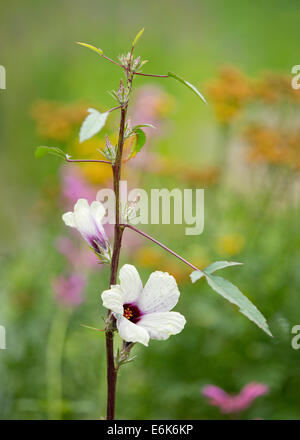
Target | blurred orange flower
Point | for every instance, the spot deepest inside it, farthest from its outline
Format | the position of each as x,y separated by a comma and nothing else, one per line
230,244
186,172
228,93
152,258
55,120
275,87
273,146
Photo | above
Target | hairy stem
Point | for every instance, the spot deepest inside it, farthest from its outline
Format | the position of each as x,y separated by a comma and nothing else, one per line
161,245
111,369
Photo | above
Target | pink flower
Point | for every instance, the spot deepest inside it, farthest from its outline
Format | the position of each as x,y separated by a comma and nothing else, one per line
234,403
69,290
149,107
74,185
79,258
87,219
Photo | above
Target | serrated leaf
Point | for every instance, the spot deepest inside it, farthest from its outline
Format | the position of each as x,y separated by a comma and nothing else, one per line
89,46
139,143
217,265
139,34
232,293
92,124
189,85
42,151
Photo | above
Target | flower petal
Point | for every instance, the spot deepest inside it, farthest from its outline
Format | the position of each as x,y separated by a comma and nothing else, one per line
68,218
98,212
162,324
215,393
130,282
131,332
84,220
160,293
113,299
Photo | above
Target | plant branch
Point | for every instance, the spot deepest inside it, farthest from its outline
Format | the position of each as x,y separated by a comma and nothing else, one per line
111,368
150,74
112,61
117,175
161,245
88,160
114,108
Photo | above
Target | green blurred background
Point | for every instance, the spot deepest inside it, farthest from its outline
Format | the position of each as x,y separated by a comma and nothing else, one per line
243,148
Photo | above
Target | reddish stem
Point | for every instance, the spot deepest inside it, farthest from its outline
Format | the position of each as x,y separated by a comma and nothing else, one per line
150,74
111,376
114,108
112,61
111,369
161,245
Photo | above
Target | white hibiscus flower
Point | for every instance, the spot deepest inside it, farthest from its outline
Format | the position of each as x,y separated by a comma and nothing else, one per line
144,313
87,219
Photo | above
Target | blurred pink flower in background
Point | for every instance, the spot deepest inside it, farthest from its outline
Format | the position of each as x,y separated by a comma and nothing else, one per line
79,258
152,103
234,403
69,290
151,106
74,185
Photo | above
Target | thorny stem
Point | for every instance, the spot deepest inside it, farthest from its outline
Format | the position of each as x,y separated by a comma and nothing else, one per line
111,368
161,245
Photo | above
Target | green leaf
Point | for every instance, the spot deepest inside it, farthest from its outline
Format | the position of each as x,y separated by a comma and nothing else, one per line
196,275
92,124
230,292
89,46
143,125
139,34
139,143
42,151
217,265
189,85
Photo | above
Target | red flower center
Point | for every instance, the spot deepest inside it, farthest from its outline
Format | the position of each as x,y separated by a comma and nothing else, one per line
132,312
